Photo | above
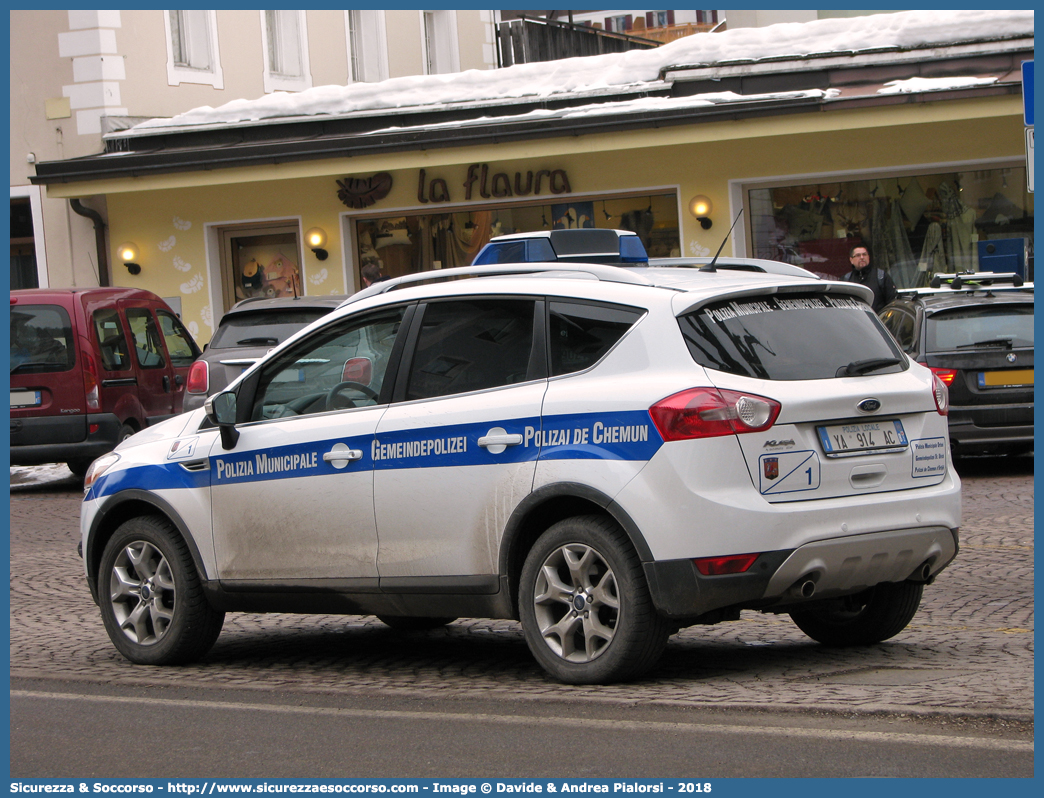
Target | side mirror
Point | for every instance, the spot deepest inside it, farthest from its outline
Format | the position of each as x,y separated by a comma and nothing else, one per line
221,410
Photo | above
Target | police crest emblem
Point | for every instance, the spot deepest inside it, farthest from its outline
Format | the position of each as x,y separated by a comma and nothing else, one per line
771,465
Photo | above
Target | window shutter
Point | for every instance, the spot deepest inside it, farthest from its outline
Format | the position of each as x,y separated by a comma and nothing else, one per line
629,22
649,19
609,24
670,17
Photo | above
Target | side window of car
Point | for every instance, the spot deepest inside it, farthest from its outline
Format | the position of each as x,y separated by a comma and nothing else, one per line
180,346
147,346
901,325
340,366
471,345
112,343
581,334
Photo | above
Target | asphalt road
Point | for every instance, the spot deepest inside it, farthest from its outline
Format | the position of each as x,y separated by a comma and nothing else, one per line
327,696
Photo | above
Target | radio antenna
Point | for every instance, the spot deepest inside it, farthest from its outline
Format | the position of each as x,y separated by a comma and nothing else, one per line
709,267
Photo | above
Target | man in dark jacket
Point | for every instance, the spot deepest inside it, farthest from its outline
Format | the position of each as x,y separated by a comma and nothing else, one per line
877,280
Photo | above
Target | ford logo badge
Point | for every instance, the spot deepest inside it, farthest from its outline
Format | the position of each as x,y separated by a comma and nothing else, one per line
869,406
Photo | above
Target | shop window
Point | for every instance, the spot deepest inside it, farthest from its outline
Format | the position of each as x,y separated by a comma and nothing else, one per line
286,51
401,245
367,46
260,262
913,225
192,48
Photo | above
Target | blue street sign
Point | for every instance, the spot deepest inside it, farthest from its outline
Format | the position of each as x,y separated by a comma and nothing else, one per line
1027,92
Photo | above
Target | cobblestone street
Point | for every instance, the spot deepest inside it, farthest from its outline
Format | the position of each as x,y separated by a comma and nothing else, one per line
968,653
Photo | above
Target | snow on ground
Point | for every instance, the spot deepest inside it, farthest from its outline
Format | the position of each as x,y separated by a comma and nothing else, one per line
38,475
618,71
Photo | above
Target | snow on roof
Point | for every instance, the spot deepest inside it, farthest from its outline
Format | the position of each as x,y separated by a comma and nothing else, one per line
620,72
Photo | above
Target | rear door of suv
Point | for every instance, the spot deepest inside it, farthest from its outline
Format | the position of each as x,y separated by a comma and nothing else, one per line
855,415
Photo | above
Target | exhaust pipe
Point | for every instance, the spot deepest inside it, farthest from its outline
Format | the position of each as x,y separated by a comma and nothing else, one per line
803,588
922,573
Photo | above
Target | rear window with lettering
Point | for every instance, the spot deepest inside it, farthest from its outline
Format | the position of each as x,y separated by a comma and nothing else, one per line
791,337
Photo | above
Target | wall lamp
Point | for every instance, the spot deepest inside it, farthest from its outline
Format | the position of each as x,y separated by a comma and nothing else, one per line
700,206
316,240
129,255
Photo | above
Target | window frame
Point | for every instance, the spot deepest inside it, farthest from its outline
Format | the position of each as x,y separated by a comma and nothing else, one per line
275,80
179,330
209,76
537,368
248,393
440,50
642,313
367,49
152,331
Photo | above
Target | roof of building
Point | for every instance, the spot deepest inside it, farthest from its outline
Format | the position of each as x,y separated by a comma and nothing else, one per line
779,69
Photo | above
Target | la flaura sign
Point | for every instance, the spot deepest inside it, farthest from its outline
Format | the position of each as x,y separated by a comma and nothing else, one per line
481,182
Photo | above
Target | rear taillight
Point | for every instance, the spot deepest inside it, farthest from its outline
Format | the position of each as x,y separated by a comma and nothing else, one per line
946,375
731,564
942,395
710,412
90,383
198,378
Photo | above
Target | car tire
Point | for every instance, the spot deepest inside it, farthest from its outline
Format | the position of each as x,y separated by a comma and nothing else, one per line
151,598
79,467
869,617
126,430
412,623
585,605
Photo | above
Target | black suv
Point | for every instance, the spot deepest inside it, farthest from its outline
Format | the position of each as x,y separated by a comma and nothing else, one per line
976,332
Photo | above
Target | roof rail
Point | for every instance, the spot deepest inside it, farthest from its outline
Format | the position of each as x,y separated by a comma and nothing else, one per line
976,279
609,274
966,288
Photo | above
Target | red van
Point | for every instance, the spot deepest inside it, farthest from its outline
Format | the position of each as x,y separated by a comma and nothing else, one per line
89,368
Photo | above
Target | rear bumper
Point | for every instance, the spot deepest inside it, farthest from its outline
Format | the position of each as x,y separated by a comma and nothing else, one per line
835,567
981,429
193,401
92,445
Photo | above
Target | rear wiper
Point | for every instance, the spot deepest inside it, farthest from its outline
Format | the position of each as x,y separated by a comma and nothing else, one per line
30,364
257,341
857,367
1005,342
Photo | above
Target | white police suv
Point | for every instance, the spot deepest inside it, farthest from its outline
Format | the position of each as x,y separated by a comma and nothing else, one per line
607,454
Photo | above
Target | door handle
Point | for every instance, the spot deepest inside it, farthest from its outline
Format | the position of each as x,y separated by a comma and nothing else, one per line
498,439
166,383
340,455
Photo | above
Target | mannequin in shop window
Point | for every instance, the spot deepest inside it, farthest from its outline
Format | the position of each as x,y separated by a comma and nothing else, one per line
877,280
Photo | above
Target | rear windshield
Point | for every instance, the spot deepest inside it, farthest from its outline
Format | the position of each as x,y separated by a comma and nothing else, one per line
41,339
242,330
792,337
976,327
